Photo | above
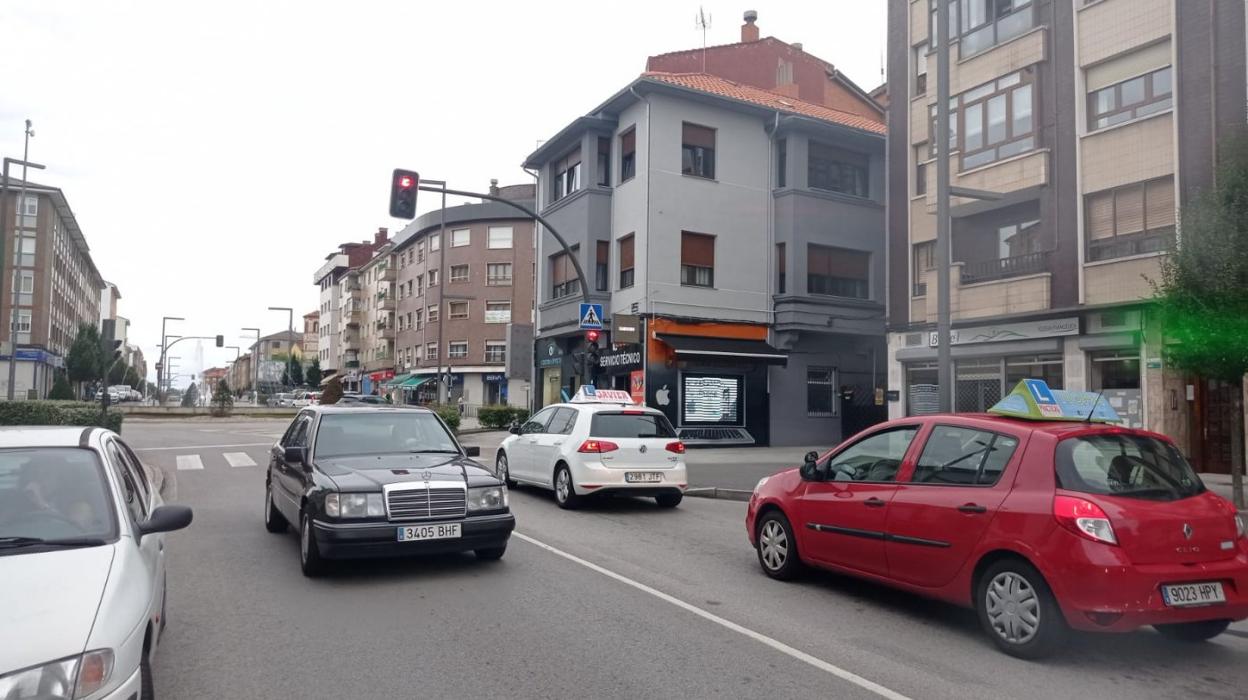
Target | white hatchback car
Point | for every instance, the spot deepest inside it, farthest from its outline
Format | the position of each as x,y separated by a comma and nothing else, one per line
594,446
82,566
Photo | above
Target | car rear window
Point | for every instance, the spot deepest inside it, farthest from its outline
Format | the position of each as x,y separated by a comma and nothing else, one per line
1121,464
630,425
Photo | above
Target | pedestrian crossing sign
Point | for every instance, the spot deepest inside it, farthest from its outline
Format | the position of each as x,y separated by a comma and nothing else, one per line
591,317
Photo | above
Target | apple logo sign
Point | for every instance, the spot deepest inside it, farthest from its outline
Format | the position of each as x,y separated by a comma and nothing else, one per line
662,396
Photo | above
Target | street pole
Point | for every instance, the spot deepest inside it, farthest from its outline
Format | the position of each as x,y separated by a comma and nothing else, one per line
290,335
443,391
944,364
164,352
255,366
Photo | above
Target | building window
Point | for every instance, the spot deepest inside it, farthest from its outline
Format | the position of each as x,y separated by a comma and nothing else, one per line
820,392
924,262
433,278
602,273
986,23
498,312
563,279
626,261
459,273
920,68
431,351
1115,369
628,155
604,161
1130,220
457,310
420,283
996,120
495,352
1046,367
782,162
833,169
567,175
29,216
435,242
417,315
953,21
24,251
431,313
837,272
781,267
697,259
920,170
498,238
457,350
461,237
1137,97
498,274
24,282
697,151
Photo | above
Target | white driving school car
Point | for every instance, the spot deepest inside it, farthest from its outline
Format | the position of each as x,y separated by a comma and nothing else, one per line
599,443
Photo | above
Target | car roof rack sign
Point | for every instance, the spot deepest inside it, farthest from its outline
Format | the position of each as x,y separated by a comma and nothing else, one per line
1032,399
591,394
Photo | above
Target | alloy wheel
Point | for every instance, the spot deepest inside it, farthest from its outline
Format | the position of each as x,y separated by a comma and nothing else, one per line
1013,607
773,543
304,536
563,485
500,468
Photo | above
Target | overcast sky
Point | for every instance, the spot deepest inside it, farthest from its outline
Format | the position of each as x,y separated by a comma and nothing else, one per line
214,153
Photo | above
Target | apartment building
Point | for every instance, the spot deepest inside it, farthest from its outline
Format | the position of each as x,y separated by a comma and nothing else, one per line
242,374
329,279
312,337
376,279
487,294
272,352
55,286
734,215
1095,121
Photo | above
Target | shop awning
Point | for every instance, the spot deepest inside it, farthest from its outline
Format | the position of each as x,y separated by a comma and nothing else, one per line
414,381
396,380
700,346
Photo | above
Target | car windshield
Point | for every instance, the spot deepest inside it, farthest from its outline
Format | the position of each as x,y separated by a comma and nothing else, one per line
386,432
630,424
53,493
1121,464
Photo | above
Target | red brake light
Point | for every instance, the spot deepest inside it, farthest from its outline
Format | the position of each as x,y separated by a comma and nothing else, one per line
1084,518
678,447
632,413
598,446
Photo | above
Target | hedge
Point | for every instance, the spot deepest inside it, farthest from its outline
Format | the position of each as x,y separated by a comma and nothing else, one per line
449,414
501,416
81,413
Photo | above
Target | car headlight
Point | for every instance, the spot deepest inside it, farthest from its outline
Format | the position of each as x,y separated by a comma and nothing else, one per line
760,483
56,680
487,498
354,505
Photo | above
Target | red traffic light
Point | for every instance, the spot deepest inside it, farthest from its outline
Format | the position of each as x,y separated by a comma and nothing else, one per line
405,181
591,336
403,187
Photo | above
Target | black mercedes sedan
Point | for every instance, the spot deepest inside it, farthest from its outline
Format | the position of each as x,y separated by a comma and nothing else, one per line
382,482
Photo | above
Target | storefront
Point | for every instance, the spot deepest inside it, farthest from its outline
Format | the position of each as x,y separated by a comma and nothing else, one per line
617,367
494,389
373,381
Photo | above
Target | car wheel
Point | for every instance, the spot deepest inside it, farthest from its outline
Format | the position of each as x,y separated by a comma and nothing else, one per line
1201,631
491,553
1017,610
669,500
777,547
502,471
309,555
274,521
146,690
565,492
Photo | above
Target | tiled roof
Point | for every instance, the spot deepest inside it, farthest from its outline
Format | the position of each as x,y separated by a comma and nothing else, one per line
715,85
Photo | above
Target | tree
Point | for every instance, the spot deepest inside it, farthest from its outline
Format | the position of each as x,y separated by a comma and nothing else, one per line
1202,297
85,359
190,397
222,398
117,373
61,390
296,373
332,393
314,375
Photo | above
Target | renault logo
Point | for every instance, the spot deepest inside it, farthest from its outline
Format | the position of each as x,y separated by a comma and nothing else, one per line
1187,531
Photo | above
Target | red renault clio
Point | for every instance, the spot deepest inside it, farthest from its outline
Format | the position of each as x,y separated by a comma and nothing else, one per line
1040,525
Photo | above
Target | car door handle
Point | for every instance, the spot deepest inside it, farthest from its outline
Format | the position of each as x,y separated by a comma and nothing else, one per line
972,508
874,503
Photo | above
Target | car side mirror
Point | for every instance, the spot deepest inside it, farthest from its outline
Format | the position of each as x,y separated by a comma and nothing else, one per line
809,467
472,451
515,428
295,455
166,519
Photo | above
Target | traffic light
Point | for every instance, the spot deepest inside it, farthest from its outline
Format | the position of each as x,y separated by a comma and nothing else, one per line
591,337
403,188
220,341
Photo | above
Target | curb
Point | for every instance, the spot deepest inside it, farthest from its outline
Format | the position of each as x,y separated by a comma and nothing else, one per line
716,492
478,431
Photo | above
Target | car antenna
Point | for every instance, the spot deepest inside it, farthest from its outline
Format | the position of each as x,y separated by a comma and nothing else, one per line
1099,394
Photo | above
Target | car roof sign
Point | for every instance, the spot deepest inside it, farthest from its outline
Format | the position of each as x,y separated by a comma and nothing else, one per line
1032,399
591,394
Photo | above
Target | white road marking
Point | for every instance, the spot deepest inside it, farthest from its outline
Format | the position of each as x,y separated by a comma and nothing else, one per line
756,636
188,462
239,459
202,447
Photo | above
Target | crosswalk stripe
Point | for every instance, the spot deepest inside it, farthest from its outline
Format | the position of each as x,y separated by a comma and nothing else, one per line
188,462
239,459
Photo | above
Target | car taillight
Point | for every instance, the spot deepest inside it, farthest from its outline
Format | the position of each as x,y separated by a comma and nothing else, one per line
678,447
1084,518
598,446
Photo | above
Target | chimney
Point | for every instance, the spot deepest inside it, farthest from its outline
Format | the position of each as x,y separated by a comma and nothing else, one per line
494,186
749,30
382,235
797,45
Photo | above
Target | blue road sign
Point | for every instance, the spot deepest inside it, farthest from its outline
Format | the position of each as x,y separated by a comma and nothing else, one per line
591,317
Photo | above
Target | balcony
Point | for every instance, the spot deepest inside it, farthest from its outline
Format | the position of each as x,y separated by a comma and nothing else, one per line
385,332
353,317
386,302
1003,268
351,364
390,274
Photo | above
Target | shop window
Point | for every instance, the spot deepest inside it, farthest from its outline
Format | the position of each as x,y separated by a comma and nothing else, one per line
921,389
1116,369
697,259
712,399
977,385
1046,367
820,391
837,272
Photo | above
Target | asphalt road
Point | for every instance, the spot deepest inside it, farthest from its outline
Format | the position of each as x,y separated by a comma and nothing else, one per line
620,600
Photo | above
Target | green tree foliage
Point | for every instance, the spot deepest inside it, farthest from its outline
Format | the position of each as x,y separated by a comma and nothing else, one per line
86,355
314,374
1202,297
61,390
190,397
222,398
296,373
332,393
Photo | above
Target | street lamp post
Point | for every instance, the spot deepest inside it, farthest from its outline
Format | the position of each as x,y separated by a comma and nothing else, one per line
290,334
255,364
162,371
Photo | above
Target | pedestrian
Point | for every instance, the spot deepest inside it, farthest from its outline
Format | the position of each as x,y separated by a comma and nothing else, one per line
461,404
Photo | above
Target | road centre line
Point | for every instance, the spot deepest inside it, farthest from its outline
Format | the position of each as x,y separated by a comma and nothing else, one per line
201,447
779,646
